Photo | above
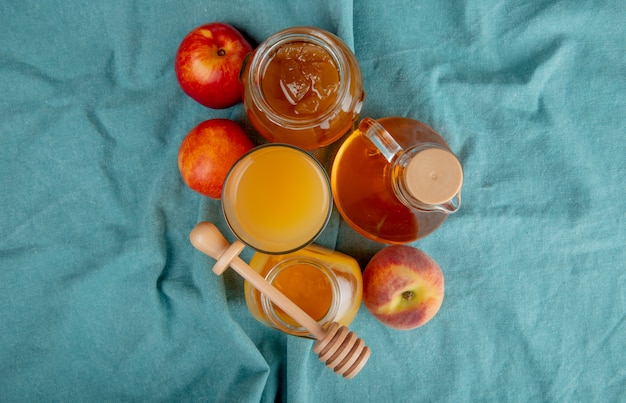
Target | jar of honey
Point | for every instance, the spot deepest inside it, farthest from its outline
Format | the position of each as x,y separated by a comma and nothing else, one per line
326,284
302,86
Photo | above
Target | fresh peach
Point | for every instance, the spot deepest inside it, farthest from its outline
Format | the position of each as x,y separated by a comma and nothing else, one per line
208,63
208,152
403,287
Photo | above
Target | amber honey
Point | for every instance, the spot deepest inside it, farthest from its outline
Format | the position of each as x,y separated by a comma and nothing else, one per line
362,186
326,284
306,285
303,86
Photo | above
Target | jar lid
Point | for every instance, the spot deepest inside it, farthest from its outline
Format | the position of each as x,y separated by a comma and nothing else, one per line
433,176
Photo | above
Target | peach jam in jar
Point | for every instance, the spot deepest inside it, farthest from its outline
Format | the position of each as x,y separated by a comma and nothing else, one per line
302,86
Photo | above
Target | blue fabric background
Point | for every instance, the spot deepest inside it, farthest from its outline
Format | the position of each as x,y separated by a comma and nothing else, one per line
102,298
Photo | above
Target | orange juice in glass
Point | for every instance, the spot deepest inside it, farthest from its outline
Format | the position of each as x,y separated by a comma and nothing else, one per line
277,198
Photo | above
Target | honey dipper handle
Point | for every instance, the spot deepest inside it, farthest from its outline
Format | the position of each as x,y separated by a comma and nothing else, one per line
207,238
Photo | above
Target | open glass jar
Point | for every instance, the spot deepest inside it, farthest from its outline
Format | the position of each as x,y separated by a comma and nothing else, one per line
302,86
326,284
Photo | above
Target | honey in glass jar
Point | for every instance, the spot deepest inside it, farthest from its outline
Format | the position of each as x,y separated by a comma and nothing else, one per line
396,180
325,284
303,87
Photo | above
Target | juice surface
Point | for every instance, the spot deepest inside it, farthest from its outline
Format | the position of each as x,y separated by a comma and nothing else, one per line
278,200
301,80
362,187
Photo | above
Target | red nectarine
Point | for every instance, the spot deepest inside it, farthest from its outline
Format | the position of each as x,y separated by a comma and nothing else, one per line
208,63
208,152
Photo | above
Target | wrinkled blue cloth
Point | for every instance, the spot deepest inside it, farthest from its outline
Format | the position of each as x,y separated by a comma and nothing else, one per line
102,297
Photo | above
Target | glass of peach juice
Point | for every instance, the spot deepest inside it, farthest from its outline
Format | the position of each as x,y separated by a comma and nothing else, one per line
276,198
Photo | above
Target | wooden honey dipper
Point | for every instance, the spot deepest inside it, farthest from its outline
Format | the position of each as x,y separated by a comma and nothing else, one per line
337,347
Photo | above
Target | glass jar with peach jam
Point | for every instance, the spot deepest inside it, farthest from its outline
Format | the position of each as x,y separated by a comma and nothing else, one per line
325,284
302,86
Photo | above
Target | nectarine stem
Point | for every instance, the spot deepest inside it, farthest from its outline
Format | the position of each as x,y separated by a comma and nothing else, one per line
221,52
408,295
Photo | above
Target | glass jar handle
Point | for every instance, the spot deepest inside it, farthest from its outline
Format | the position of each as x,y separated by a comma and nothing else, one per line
380,138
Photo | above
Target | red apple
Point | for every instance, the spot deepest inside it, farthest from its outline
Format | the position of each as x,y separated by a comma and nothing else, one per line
208,63
208,152
402,287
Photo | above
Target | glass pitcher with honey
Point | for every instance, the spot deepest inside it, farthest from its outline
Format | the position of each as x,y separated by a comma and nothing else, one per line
395,180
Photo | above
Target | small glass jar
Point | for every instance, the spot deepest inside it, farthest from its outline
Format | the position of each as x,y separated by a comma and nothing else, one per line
302,86
326,284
